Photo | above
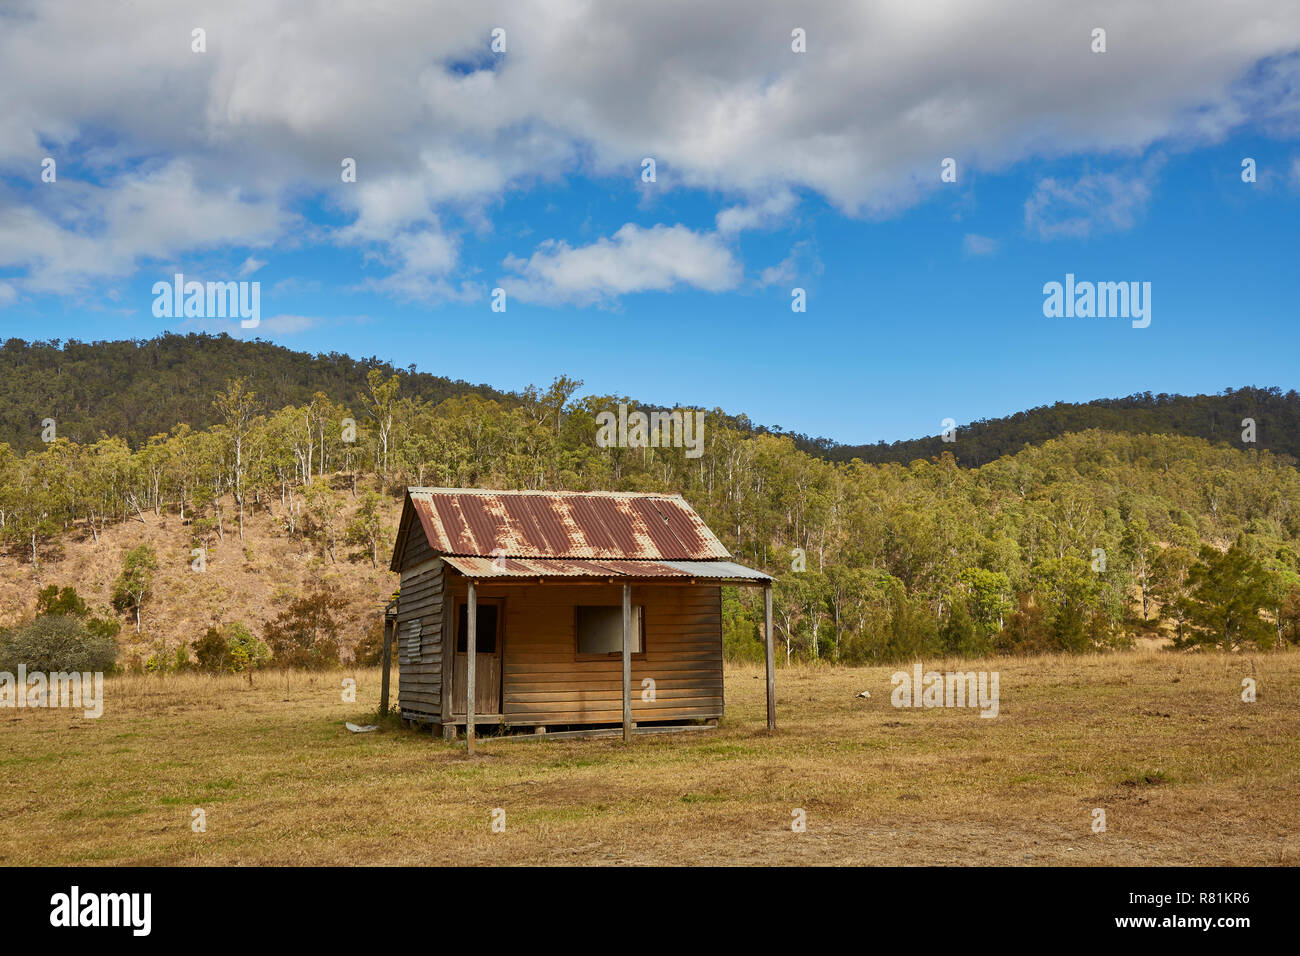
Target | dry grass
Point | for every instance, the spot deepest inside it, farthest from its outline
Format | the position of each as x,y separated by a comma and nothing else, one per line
247,581
1186,772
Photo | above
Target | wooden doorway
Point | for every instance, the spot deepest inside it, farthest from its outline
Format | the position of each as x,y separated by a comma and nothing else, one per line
487,666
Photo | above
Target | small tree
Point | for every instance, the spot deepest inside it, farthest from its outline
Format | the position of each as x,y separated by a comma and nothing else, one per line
1289,617
246,652
54,600
231,648
135,583
1225,593
323,510
238,408
379,401
367,528
306,633
211,652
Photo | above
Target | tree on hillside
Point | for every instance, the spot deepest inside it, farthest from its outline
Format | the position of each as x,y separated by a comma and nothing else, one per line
1169,586
1138,547
379,400
549,407
787,611
367,528
989,597
58,601
1289,617
237,406
135,583
306,633
1225,593
324,513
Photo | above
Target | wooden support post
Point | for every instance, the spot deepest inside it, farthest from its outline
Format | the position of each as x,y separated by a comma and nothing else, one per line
387,662
471,655
627,663
771,664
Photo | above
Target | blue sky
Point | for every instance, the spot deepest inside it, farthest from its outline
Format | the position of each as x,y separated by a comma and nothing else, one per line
924,298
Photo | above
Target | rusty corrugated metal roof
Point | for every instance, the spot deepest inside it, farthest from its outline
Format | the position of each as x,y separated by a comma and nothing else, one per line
598,525
483,568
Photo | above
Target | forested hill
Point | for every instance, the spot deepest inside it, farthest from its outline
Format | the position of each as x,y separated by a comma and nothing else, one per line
136,389
1216,418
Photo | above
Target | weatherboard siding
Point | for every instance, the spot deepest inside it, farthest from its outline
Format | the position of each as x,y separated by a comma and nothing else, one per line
543,682
419,632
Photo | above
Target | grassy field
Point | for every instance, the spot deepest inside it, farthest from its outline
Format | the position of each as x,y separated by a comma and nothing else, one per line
1186,771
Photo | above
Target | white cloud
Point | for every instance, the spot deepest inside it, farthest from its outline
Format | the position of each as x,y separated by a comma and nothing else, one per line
632,260
8,294
250,266
279,325
1094,202
713,92
783,271
421,263
763,214
976,245
72,233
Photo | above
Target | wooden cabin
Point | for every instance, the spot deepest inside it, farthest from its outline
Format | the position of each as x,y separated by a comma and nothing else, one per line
561,611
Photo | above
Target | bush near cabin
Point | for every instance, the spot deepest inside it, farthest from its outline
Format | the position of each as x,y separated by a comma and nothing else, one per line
53,643
306,633
231,648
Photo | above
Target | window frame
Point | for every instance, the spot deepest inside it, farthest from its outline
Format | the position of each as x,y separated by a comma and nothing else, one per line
608,655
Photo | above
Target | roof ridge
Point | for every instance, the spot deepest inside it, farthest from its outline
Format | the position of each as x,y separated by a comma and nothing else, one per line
415,489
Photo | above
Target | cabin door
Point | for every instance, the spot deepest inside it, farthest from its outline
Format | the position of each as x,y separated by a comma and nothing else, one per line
487,667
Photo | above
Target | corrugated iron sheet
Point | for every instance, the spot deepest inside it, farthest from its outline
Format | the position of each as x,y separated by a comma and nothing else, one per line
482,568
567,525
717,569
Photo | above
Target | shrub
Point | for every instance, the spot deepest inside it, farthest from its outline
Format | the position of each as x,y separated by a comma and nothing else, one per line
305,634
64,601
56,642
53,600
370,649
211,653
230,648
246,652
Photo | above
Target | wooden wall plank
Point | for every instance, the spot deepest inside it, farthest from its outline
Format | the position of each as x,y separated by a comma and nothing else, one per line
419,630
543,682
